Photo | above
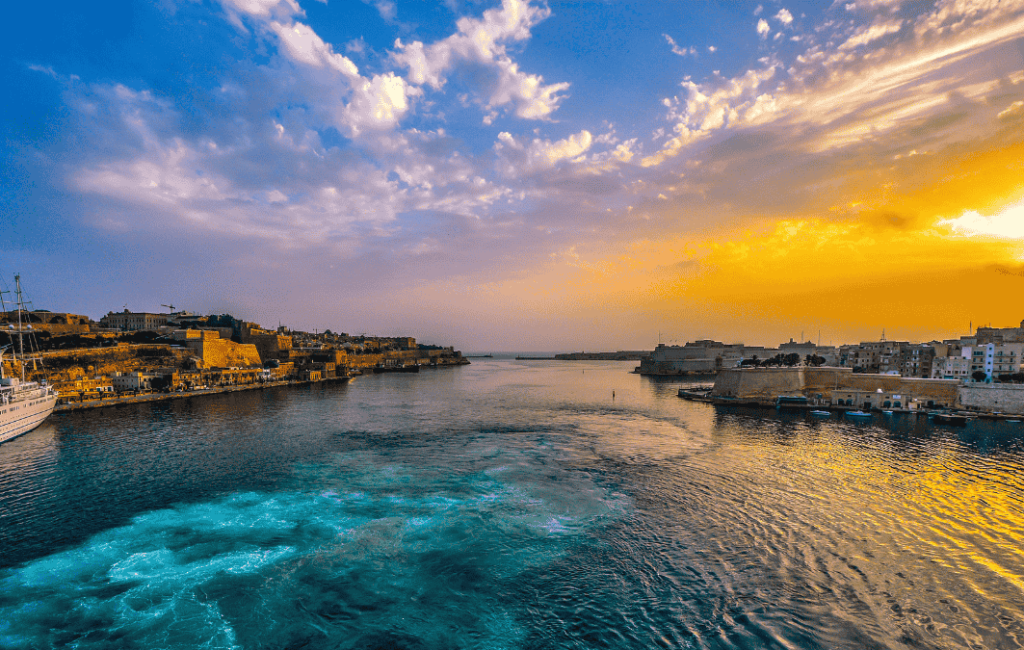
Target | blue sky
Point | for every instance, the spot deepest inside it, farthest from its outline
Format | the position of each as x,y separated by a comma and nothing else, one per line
494,175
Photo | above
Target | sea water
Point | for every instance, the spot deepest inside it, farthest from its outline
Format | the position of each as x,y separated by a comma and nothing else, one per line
507,505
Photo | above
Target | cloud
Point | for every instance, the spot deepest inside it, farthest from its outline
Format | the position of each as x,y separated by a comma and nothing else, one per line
541,155
481,42
1013,111
763,28
837,150
871,33
303,45
386,8
375,103
680,51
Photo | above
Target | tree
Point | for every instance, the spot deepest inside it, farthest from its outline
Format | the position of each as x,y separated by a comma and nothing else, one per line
979,375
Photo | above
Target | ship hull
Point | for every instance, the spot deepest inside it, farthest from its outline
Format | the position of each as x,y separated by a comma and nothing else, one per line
21,416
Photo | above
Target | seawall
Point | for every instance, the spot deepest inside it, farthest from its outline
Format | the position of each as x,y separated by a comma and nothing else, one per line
763,385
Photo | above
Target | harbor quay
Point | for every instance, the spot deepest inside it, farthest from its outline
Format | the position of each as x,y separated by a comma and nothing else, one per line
843,389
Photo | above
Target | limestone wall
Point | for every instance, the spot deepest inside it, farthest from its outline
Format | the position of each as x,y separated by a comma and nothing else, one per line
407,356
762,384
765,384
222,353
1002,398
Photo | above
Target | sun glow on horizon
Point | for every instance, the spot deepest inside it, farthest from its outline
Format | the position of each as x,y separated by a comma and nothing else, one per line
1008,224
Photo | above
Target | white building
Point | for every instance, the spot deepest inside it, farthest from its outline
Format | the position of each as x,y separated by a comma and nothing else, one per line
996,359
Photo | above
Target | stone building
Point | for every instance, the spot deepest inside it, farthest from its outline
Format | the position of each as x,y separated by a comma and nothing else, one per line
129,321
1001,334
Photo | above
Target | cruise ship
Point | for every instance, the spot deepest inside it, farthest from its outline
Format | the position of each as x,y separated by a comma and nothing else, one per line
23,404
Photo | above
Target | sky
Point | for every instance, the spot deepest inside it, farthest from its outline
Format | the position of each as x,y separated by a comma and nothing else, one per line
522,175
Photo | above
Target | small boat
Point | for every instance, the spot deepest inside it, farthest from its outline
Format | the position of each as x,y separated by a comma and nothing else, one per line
952,418
1013,421
790,402
821,414
858,414
695,395
887,412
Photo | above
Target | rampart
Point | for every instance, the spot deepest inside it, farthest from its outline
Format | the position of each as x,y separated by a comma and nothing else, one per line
763,385
423,357
998,398
221,353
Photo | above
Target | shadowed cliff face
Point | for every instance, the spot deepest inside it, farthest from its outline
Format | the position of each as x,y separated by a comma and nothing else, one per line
69,365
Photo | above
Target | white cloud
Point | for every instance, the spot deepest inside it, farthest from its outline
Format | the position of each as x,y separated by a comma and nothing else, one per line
540,155
303,45
784,16
378,103
263,8
871,33
680,51
481,41
763,28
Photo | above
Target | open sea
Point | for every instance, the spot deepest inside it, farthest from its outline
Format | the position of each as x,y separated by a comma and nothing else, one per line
507,504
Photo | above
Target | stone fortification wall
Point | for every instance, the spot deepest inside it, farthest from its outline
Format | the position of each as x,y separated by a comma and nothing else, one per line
679,367
760,384
1002,398
765,384
408,356
221,353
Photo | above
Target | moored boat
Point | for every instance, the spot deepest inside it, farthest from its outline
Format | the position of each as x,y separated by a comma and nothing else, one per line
858,414
23,404
952,418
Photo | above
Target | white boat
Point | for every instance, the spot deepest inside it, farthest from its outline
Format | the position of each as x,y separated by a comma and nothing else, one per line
23,404
858,414
821,414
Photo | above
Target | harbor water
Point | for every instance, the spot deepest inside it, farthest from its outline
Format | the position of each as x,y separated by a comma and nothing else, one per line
507,504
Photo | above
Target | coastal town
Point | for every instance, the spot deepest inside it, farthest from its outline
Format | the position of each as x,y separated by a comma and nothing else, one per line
129,356
982,373
140,356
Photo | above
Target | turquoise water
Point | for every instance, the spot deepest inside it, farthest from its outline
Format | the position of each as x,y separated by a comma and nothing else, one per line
507,505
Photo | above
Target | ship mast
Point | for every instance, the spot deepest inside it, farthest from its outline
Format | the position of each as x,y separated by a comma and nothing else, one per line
21,343
3,309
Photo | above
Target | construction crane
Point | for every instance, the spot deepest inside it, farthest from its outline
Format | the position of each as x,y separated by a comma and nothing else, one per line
171,307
